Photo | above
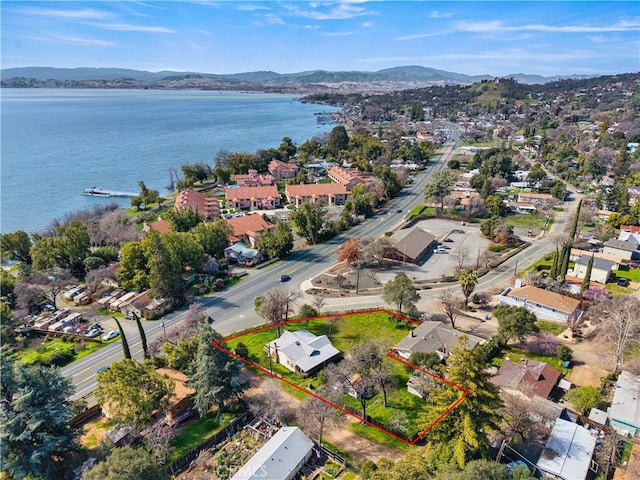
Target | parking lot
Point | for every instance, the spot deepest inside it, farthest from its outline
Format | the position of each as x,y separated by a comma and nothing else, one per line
461,242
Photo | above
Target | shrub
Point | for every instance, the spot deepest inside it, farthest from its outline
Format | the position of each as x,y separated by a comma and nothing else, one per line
242,350
496,247
564,353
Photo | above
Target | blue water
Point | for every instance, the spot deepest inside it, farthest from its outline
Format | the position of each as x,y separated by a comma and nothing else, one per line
55,143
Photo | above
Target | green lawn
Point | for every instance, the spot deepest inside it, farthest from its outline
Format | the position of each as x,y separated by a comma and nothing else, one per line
515,355
349,331
56,351
633,274
551,327
196,432
525,220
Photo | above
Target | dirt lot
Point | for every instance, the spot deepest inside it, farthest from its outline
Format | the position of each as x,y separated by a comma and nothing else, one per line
586,375
359,448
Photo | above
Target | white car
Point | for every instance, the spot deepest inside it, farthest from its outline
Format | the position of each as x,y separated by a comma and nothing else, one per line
110,335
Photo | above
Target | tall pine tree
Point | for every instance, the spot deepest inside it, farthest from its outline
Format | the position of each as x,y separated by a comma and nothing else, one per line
461,435
587,276
217,376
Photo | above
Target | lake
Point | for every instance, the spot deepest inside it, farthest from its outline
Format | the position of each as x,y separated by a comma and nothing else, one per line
55,142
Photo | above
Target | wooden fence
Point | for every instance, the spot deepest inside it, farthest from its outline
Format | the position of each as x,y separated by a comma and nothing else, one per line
214,441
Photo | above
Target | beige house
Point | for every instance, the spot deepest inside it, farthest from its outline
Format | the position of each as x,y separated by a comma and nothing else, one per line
542,199
199,202
600,270
265,197
330,193
282,170
349,176
249,228
546,305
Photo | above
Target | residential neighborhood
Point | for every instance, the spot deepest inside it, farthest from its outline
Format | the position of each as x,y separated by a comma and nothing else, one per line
457,291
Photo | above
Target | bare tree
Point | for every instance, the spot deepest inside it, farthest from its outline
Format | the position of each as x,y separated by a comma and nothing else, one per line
461,258
196,315
156,440
270,404
318,303
276,306
332,323
450,305
377,249
517,421
619,320
52,282
313,413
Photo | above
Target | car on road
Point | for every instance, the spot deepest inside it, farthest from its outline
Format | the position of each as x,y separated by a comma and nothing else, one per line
399,210
104,369
285,278
110,335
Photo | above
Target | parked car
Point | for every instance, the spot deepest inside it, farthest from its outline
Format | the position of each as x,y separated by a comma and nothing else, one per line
111,335
623,282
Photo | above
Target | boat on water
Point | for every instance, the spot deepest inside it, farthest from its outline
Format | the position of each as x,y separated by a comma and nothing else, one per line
100,192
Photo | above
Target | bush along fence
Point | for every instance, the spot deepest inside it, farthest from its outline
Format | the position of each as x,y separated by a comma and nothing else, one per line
214,442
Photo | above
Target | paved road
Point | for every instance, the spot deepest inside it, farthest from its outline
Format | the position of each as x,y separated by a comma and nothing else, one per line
232,309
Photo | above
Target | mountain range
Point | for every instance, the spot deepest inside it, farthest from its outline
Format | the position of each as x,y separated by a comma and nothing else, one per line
410,76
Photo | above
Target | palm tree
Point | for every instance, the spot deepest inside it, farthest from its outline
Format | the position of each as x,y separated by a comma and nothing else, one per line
468,281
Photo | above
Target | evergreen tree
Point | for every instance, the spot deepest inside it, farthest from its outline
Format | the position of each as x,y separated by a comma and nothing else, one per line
36,439
400,291
553,273
143,336
566,255
165,272
338,140
574,225
125,345
460,436
217,375
586,281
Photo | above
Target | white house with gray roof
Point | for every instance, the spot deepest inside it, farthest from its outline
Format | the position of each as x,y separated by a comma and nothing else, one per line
624,413
281,458
600,270
625,249
302,352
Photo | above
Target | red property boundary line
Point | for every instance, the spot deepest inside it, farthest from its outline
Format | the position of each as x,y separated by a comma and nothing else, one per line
390,354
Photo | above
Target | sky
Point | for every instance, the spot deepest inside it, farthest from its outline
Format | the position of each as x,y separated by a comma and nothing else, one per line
474,38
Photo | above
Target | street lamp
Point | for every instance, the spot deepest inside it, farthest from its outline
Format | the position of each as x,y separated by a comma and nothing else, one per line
164,330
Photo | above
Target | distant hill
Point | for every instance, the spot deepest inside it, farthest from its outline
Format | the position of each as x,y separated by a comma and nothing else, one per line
397,77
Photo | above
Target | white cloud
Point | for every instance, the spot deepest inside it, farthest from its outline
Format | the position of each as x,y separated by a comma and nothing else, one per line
437,14
337,34
126,27
84,14
71,40
341,11
418,35
273,19
498,26
202,31
252,8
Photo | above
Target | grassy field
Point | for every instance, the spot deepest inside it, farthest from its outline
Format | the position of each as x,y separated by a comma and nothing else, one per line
526,221
349,330
57,351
